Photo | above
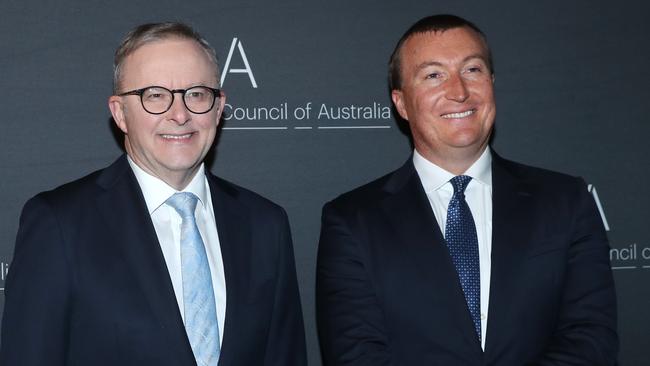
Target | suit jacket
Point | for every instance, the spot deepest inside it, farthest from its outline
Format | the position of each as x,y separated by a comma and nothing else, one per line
88,284
388,292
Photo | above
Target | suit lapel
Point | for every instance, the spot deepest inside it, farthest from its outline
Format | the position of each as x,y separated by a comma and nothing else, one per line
511,198
124,211
409,210
233,227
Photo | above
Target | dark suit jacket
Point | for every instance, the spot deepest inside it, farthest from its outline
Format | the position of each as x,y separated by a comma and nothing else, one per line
88,284
388,293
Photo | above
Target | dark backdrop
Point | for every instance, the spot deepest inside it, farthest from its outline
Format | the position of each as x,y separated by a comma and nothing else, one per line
572,93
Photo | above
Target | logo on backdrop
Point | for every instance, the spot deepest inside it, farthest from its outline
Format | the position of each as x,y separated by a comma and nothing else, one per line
594,193
4,269
286,115
628,256
242,55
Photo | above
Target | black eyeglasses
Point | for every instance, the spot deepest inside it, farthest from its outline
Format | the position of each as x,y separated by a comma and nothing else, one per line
158,99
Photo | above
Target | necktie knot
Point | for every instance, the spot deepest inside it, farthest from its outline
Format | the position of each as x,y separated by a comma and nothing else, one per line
459,183
184,203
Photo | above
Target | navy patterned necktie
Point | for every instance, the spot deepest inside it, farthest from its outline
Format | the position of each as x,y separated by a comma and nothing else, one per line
198,295
460,234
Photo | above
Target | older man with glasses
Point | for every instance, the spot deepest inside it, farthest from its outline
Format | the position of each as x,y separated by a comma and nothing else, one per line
153,260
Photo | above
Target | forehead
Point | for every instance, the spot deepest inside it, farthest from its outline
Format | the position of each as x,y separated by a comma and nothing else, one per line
446,46
174,60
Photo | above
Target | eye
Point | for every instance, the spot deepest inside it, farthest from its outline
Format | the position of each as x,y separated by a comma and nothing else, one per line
155,94
474,69
195,94
433,75
198,93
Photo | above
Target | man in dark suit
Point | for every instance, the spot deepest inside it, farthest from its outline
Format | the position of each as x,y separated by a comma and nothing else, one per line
153,260
461,257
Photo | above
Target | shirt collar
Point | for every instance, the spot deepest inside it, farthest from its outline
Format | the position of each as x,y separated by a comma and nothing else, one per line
434,177
156,192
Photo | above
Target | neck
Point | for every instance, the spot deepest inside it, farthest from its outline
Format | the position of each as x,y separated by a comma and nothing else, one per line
178,181
455,162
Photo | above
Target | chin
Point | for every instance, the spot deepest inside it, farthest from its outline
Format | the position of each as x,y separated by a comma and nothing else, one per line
181,165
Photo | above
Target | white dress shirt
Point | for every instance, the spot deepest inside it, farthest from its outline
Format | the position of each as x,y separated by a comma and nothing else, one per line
167,223
478,195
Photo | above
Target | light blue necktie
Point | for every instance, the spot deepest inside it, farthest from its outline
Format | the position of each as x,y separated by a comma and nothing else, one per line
460,234
198,295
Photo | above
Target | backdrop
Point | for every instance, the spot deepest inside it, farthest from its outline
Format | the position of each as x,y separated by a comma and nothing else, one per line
309,109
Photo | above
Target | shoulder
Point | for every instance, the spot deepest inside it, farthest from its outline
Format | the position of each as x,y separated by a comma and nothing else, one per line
558,192
75,195
374,193
534,176
52,217
222,189
70,194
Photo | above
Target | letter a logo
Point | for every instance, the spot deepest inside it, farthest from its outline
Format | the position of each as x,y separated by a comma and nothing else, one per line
247,67
592,189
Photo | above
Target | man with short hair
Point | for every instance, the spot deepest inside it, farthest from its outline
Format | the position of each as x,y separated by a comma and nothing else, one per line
461,257
153,260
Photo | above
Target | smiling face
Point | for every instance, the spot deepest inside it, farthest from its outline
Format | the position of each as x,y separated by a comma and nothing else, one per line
446,95
172,145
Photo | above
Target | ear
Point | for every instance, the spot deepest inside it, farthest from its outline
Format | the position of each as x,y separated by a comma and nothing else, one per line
116,106
398,99
221,104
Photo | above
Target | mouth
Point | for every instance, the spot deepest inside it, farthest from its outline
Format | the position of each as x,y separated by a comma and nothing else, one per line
174,137
459,114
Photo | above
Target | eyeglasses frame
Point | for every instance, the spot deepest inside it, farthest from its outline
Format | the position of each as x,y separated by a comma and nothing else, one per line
139,92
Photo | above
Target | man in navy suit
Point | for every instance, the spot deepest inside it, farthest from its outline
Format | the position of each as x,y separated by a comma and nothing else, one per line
106,268
461,257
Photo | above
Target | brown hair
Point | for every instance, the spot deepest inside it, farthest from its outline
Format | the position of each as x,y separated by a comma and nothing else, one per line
433,23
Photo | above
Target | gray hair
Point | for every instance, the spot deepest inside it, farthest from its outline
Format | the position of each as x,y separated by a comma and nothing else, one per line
148,33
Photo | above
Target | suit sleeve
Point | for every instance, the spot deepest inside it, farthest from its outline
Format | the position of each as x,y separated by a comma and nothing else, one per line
35,319
351,324
286,338
586,328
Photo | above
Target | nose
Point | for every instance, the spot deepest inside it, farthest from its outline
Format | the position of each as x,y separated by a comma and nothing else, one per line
178,112
456,89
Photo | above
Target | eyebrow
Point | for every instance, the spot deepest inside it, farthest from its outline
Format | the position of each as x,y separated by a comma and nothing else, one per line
438,63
